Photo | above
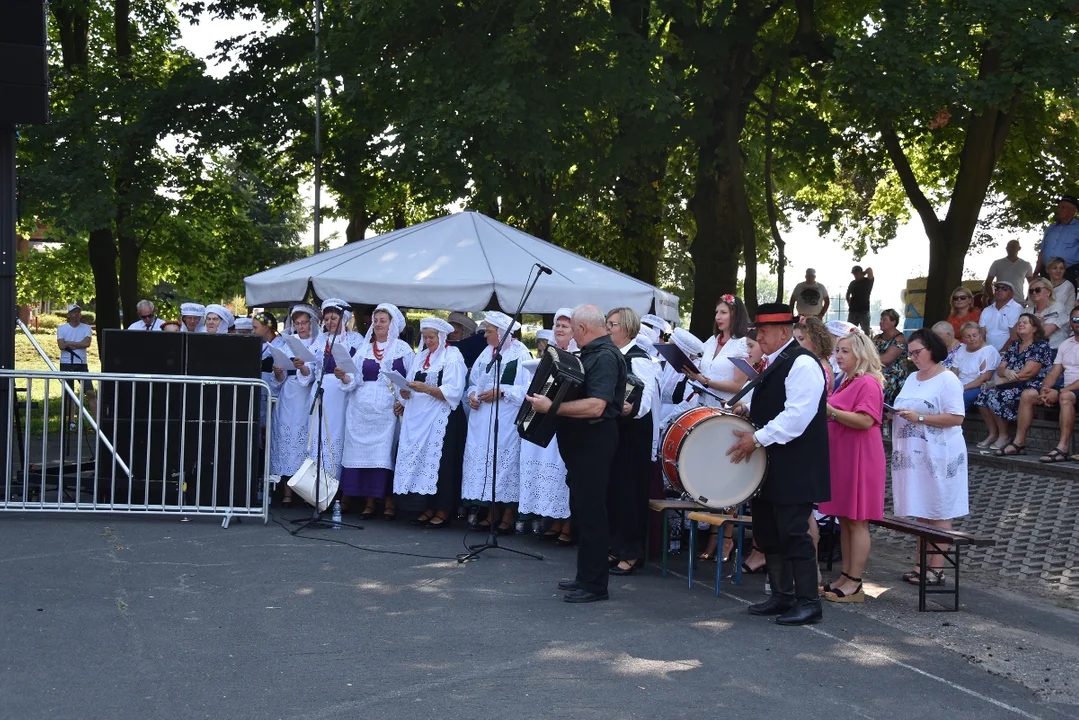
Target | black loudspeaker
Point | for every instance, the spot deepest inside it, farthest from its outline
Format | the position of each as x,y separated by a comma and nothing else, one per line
137,352
24,81
223,356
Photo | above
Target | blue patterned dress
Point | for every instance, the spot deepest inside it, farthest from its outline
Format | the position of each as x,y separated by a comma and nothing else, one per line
1003,400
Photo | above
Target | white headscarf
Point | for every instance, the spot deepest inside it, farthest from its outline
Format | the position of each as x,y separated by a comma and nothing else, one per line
645,343
839,328
227,318
545,334
653,326
568,314
688,344
397,326
316,318
193,310
439,355
501,321
245,323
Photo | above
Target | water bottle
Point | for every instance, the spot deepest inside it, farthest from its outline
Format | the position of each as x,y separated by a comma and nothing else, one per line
336,514
519,527
260,495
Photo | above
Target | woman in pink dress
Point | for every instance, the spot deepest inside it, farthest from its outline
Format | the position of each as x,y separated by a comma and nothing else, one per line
857,460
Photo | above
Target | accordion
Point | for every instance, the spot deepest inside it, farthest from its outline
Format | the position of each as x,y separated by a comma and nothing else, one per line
559,377
634,393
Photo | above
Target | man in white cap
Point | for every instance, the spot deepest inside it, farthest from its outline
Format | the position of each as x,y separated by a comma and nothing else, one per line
192,317
148,319
244,326
1000,318
810,297
73,337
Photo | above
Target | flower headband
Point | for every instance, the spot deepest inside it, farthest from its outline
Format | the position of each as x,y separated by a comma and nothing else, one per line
729,299
266,319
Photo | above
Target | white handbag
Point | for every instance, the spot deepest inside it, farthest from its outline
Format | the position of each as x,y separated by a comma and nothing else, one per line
303,481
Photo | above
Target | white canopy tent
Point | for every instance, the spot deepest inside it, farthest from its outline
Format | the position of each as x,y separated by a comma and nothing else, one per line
465,261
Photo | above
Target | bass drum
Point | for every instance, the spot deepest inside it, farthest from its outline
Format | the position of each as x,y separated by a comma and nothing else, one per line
695,463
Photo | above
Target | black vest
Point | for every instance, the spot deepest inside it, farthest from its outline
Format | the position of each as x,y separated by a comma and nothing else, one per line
798,472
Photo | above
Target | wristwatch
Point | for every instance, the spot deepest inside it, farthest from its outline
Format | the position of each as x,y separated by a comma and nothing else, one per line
921,418
756,443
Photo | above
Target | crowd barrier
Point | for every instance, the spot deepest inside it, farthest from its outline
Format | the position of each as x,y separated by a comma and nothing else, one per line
154,445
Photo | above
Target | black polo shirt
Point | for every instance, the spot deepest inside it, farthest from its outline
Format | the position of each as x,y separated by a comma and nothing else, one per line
604,375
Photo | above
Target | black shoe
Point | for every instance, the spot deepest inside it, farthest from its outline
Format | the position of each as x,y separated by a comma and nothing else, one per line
583,596
775,605
804,612
617,570
568,585
441,523
421,520
781,578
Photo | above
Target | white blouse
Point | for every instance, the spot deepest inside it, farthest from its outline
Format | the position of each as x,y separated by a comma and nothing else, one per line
719,366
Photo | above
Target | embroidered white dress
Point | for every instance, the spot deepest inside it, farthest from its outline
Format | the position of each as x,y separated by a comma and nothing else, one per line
291,418
423,427
720,367
370,425
929,464
477,471
267,377
334,401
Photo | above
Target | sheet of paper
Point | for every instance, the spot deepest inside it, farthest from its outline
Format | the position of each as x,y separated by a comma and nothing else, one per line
744,366
530,365
396,378
344,360
298,348
281,358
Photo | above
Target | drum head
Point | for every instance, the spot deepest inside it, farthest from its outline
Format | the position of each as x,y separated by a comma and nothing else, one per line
708,474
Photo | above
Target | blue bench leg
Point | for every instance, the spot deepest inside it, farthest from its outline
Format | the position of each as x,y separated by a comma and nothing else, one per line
738,559
692,550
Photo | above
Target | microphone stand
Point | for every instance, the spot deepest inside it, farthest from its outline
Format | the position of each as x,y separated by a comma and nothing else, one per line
492,534
316,519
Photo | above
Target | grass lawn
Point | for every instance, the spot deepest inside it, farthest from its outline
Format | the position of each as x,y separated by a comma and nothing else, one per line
27,358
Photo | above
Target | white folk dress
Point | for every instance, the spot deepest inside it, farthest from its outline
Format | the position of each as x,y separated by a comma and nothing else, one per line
334,401
543,481
267,377
292,419
477,471
720,367
929,464
423,427
370,425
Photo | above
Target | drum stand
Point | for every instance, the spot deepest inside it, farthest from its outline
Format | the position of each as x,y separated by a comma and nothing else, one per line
316,520
492,535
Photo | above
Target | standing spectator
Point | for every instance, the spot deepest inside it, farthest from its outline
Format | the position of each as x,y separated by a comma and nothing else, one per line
1062,288
1052,314
858,297
929,457
999,318
1023,365
74,337
148,319
465,338
1061,239
1011,268
1066,365
810,297
975,363
892,346
963,310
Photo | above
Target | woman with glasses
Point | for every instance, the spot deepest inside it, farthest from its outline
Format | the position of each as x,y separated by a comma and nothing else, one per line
892,346
929,455
963,310
1024,365
1064,290
1053,315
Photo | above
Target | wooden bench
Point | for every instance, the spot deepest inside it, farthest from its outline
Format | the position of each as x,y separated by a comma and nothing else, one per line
662,505
718,520
935,537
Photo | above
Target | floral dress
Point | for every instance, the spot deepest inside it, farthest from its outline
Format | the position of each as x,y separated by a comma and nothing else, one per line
1003,400
897,372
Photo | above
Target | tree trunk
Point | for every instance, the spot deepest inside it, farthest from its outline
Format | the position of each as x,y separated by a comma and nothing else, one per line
716,248
358,220
102,251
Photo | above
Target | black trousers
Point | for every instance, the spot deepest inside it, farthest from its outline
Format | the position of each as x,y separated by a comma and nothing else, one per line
587,449
627,493
783,529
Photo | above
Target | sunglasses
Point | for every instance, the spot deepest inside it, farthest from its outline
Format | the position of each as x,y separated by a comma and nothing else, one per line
1002,287
957,298
146,317
1038,290
1075,319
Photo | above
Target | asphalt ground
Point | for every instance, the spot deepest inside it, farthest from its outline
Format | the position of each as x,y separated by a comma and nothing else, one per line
107,617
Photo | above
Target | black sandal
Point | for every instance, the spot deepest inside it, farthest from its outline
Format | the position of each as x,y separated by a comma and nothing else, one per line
368,513
1019,450
747,570
827,587
441,522
422,519
1053,456
932,577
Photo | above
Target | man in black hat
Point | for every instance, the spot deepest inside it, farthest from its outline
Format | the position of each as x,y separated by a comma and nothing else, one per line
1061,239
789,408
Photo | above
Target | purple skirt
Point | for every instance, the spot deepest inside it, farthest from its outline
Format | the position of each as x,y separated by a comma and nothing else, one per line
366,482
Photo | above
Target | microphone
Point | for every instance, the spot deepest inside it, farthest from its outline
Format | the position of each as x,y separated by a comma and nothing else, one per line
544,269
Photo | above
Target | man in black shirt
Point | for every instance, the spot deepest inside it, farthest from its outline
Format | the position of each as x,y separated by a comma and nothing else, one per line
587,441
858,297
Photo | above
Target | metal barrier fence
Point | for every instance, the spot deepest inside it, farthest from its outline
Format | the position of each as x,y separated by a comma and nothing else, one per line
151,444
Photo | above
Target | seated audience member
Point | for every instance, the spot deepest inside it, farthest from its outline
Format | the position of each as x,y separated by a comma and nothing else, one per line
244,326
1065,366
945,332
170,326
963,309
1045,305
1023,366
892,347
975,363
1000,316
1062,288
